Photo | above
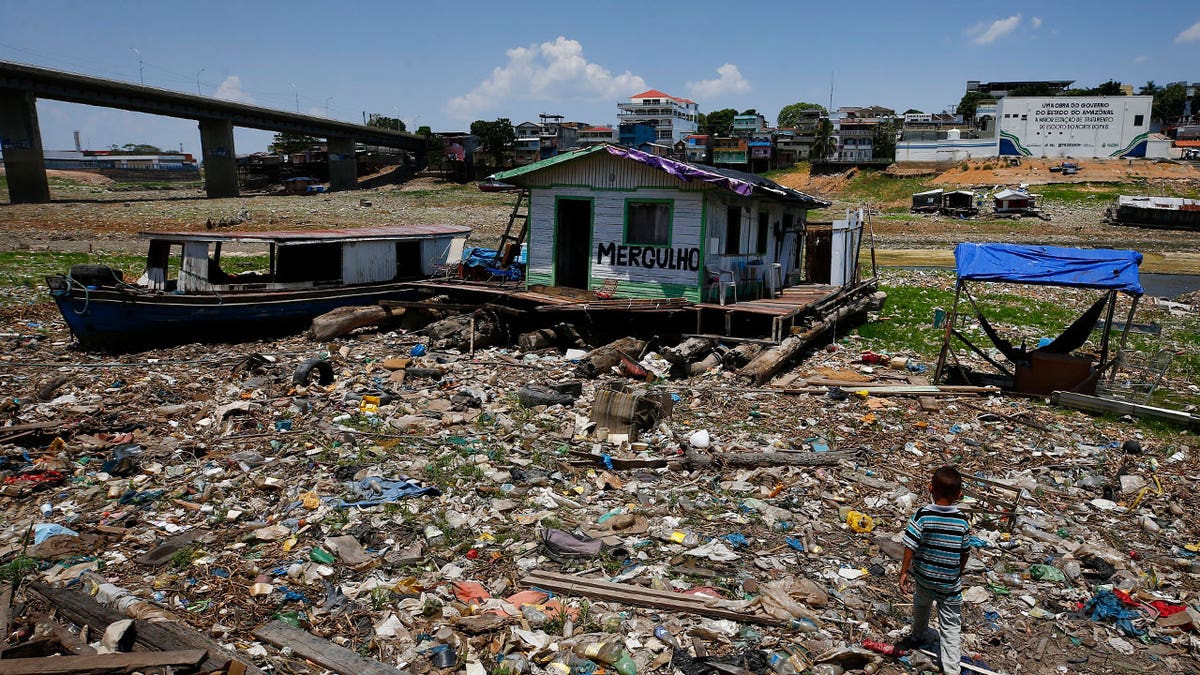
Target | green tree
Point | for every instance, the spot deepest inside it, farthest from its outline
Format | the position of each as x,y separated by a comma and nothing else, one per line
1110,88
1168,102
970,101
424,131
495,138
137,149
822,146
790,115
435,152
749,111
384,122
719,122
286,142
1149,89
913,111
884,141
1035,89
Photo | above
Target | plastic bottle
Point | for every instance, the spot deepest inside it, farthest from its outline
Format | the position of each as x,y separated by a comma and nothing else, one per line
781,663
1046,573
685,537
560,664
610,651
1072,569
883,648
513,664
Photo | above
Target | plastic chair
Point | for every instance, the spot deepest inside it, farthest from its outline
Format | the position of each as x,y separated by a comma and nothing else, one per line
774,279
717,282
607,290
452,260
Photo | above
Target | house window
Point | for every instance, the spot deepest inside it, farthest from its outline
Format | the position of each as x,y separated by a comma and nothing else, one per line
764,219
1138,119
733,230
648,223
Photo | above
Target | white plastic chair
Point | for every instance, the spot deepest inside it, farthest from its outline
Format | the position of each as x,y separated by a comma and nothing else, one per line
449,265
717,282
774,279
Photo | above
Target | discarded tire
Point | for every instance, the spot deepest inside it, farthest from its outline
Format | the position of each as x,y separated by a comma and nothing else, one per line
533,395
96,275
304,372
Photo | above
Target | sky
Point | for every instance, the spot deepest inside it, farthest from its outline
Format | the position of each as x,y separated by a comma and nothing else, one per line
444,64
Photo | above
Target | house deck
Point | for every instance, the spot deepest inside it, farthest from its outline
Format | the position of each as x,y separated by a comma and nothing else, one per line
770,319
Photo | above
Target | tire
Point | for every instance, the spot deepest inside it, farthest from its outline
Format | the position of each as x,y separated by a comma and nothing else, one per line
95,275
304,373
533,395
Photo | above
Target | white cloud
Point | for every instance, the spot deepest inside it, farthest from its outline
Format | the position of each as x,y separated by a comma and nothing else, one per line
1141,59
1191,34
551,71
729,81
231,90
995,30
1036,22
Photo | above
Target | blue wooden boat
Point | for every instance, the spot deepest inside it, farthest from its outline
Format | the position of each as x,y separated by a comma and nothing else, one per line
185,296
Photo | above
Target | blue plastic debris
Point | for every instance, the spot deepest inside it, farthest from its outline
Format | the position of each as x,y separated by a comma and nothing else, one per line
1105,606
794,543
43,531
736,540
417,350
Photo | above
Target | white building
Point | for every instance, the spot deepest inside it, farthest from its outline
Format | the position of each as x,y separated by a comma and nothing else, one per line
673,118
1074,126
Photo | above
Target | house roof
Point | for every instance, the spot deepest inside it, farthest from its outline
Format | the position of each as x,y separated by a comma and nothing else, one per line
654,93
312,236
1012,194
738,182
597,129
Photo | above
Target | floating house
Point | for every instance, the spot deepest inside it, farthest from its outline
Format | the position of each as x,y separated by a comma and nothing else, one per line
655,227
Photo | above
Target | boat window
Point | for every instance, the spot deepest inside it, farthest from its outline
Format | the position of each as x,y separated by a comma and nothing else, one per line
309,262
249,264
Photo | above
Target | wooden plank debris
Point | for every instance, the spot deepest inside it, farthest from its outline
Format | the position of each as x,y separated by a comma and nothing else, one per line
639,596
102,663
82,609
1095,404
320,651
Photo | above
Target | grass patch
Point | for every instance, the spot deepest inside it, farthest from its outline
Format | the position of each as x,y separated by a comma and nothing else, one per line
879,187
24,268
1091,194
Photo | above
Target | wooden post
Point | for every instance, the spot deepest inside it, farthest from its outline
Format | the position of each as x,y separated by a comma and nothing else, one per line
950,321
1112,307
1112,375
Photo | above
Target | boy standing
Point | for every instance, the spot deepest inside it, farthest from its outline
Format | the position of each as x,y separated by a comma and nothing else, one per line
936,550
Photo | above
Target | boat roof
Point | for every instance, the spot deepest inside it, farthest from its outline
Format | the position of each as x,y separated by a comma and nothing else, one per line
316,236
1171,203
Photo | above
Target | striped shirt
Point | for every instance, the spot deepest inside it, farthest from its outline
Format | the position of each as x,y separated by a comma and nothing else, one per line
938,537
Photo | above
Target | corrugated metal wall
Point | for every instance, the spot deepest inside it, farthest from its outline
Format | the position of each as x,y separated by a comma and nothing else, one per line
368,261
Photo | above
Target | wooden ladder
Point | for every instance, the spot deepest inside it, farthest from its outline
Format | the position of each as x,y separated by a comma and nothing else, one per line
510,244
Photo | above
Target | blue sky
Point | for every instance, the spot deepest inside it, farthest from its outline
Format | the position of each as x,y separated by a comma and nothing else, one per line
446,63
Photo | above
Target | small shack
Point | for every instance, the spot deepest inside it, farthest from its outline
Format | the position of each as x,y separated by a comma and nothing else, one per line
641,226
929,201
1013,201
959,203
1058,364
299,185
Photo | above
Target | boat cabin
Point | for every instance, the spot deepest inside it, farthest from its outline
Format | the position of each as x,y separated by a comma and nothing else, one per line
641,226
191,262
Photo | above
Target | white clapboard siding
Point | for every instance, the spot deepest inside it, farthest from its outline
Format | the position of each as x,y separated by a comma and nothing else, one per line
610,229
366,262
193,269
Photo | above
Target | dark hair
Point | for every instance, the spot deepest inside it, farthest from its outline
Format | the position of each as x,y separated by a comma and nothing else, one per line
947,483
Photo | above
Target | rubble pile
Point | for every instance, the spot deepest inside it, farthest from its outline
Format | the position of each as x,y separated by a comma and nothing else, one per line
429,508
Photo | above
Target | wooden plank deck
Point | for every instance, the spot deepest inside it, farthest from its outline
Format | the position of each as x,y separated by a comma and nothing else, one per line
790,300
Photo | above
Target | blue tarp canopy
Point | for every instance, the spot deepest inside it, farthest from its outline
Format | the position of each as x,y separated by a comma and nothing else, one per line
1105,269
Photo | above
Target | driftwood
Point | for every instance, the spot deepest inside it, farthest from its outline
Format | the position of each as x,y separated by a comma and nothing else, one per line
542,338
345,319
773,360
45,390
694,459
689,351
601,359
321,651
101,663
481,328
80,608
742,354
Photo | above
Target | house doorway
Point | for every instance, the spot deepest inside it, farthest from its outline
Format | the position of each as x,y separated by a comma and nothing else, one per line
572,242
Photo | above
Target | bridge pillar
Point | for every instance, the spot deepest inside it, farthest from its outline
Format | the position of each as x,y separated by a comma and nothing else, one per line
220,162
343,167
21,141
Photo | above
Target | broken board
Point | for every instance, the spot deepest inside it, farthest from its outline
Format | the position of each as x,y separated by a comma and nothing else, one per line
321,651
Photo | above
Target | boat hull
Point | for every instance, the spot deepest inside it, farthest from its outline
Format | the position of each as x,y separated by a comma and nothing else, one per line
114,319
1164,219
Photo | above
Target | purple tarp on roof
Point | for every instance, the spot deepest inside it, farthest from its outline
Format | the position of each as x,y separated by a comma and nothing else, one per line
680,170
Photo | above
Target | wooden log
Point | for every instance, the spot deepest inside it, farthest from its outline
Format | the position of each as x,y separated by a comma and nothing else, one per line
80,608
601,359
705,364
102,663
345,319
45,390
742,354
773,360
639,596
538,339
322,652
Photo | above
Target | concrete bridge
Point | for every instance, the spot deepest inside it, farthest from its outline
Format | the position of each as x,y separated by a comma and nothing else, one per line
21,142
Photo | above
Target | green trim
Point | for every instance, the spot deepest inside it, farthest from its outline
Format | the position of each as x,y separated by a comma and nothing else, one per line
703,243
554,238
1129,146
505,176
543,278
585,186
649,289
670,222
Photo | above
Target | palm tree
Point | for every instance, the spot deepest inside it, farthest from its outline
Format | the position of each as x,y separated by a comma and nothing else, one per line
1150,88
822,145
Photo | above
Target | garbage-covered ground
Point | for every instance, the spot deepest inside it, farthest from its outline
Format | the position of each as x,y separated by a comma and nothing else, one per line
414,509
